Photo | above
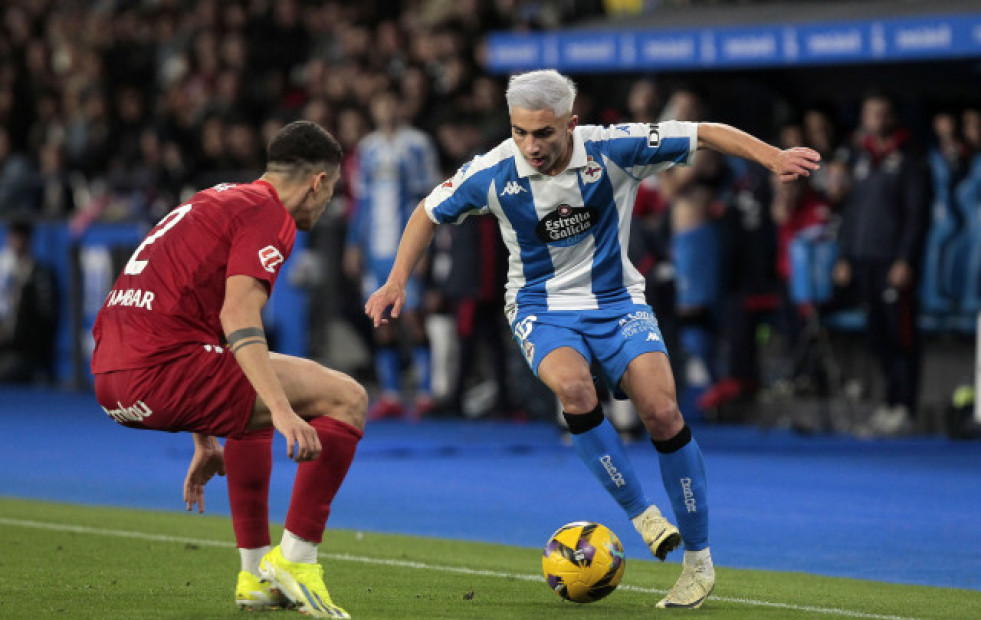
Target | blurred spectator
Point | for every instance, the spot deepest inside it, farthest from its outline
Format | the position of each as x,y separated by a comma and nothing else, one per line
967,197
971,129
28,310
805,251
474,287
88,132
949,146
490,117
352,126
15,176
416,94
802,214
54,185
947,238
819,132
880,244
750,282
643,101
696,252
397,167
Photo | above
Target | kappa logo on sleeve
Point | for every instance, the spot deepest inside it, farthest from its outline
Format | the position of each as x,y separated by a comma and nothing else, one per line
270,258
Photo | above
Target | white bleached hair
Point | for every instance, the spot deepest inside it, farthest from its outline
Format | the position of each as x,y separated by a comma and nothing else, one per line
538,90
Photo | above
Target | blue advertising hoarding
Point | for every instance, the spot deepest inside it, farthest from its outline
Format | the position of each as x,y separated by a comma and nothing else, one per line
763,46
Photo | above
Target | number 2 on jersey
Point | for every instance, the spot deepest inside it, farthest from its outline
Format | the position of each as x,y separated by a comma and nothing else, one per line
134,266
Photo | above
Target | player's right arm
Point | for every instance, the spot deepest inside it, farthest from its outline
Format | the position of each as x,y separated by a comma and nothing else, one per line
450,202
416,237
241,320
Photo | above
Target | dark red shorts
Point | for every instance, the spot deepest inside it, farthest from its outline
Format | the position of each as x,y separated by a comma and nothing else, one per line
203,391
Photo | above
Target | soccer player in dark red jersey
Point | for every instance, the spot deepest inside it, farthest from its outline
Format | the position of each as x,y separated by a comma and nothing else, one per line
179,346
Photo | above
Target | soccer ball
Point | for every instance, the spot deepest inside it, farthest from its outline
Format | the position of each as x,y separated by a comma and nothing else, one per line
583,561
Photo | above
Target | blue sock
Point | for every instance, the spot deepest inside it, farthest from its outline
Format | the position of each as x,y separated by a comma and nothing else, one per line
599,446
683,474
387,365
423,366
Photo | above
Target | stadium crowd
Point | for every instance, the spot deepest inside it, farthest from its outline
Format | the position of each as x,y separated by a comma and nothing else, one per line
115,111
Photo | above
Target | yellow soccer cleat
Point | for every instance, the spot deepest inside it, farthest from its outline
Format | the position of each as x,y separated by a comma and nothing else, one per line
695,584
302,584
658,533
257,594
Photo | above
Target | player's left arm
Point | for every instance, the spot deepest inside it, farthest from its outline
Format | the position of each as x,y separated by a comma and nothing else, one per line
787,164
241,320
208,460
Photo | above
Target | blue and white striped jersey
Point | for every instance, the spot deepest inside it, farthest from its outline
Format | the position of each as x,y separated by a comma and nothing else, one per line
394,173
567,234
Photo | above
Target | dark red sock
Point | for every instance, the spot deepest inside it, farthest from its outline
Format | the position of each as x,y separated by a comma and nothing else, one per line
317,481
248,467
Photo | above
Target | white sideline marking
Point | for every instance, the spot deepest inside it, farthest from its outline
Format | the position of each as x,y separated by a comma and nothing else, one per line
344,557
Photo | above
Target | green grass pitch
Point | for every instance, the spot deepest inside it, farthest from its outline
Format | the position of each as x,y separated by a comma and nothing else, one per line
82,562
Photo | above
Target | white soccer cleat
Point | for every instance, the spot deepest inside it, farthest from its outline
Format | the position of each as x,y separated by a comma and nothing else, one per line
695,584
658,533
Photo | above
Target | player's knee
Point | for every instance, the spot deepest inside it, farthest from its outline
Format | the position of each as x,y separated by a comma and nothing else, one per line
352,403
660,415
339,397
577,393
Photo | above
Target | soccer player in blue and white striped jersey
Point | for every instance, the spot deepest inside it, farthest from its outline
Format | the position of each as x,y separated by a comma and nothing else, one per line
563,195
397,165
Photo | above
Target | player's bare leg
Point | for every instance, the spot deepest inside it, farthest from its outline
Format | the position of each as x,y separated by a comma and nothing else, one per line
650,384
334,405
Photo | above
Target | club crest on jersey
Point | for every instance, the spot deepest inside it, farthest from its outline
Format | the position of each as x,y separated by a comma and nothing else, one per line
566,225
528,347
270,258
592,172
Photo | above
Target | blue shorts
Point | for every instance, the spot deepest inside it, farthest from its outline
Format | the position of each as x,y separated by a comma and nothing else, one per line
376,273
612,337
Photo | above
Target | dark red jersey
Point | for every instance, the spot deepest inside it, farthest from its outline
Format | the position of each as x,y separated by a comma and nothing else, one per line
171,291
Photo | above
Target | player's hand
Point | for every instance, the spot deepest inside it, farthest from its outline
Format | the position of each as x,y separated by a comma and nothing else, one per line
302,441
796,162
206,462
390,295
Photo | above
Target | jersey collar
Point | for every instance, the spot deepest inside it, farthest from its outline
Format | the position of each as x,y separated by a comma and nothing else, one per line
578,159
272,191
